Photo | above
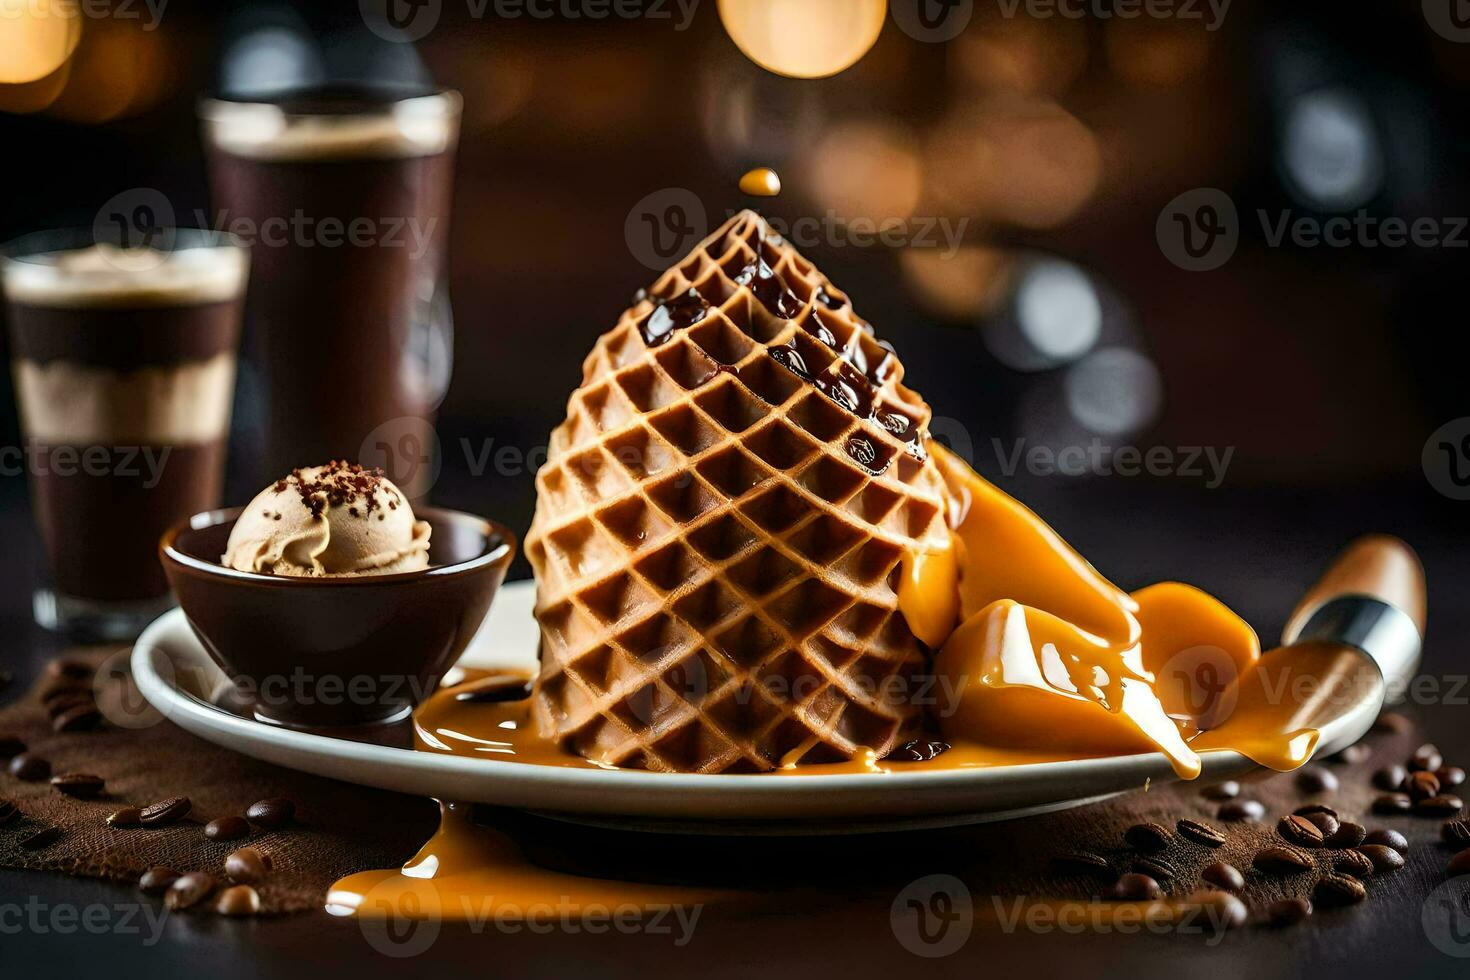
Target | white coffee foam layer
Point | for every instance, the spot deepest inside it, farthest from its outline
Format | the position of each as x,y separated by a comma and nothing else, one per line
79,404
105,275
415,127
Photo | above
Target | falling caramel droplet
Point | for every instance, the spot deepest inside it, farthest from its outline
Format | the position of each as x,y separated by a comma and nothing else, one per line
760,182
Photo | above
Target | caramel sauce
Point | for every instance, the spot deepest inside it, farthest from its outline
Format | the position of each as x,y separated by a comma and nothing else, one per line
1048,655
1043,661
760,182
470,872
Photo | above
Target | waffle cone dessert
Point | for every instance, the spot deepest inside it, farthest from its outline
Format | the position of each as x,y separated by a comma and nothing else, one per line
721,521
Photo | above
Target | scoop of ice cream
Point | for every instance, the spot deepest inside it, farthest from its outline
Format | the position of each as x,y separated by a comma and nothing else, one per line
338,519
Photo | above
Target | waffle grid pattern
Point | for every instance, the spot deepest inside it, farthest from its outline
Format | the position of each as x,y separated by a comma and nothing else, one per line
716,540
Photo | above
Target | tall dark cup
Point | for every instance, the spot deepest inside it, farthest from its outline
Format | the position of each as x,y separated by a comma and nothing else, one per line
124,365
344,199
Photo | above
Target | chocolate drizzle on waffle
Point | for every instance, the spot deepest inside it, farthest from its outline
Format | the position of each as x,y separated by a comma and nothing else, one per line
851,379
721,522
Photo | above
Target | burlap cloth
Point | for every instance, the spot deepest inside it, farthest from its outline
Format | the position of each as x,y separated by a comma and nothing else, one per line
340,828
343,828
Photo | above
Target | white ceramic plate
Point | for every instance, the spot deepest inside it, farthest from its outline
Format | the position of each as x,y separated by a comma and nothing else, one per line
177,677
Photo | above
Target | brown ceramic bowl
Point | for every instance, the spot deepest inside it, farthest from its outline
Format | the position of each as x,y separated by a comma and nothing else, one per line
337,651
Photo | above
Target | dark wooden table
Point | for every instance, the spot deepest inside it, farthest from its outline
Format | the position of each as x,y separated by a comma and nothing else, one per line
1256,548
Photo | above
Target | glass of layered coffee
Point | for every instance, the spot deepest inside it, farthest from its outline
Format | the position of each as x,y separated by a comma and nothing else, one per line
343,196
124,366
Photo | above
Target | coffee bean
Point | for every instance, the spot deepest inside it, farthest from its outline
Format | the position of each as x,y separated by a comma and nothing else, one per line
44,837
1337,890
1384,858
165,812
1299,831
82,785
9,811
1449,776
1227,790
1421,785
1156,868
248,865
1200,833
227,828
1241,811
1348,834
10,746
238,900
1392,723
1426,757
1443,805
1390,778
1288,911
1283,861
1136,887
1311,808
1392,803
188,890
1315,779
1326,822
1459,864
1149,837
271,814
82,718
1455,833
30,767
1354,863
1217,910
1354,754
155,880
1388,838
1081,862
1224,875
128,816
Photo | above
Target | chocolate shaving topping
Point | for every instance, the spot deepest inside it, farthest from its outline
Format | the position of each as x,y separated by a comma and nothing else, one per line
340,483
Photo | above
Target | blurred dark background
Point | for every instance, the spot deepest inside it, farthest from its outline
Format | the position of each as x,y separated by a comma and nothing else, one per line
1060,320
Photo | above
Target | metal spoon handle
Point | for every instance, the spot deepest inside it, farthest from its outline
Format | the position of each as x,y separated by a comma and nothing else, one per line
1371,597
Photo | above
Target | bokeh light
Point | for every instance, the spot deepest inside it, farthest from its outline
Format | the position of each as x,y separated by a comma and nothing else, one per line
1054,316
1013,159
1152,54
118,70
1331,153
37,95
804,38
959,287
1115,391
1030,55
36,38
865,168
